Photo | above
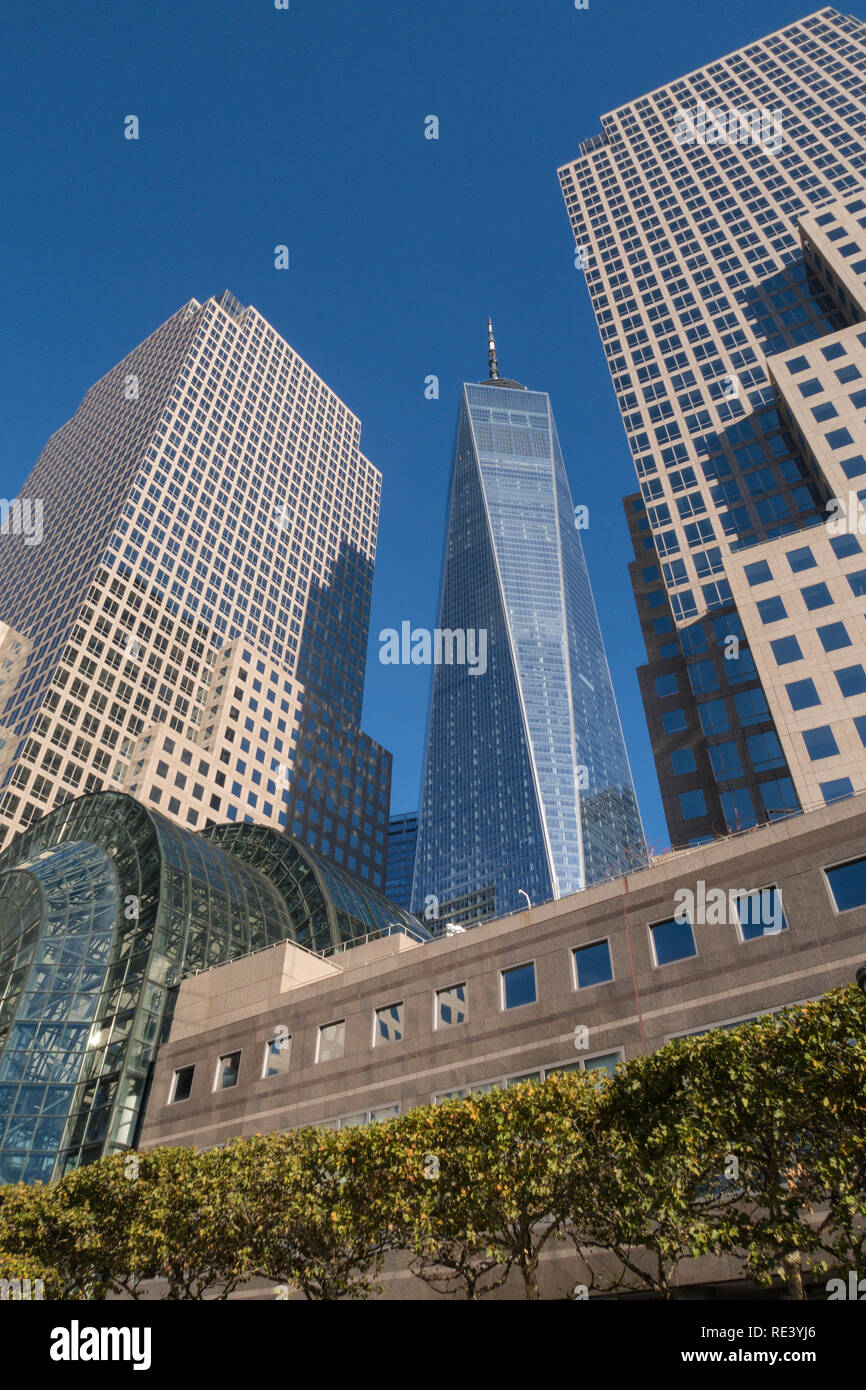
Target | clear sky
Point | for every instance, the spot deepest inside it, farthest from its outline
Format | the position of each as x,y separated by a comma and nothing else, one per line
305,127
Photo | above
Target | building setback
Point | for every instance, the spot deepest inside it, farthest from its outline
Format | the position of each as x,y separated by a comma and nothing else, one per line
191,625
526,789
720,226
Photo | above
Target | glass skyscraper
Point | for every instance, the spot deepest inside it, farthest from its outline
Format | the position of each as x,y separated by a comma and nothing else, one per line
526,787
402,838
720,223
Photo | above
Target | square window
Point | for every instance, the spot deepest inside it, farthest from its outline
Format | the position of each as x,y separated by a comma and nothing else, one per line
592,964
758,573
832,352
771,610
847,373
181,1084
738,809
674,721
683,760
837,790
607,1063
450,1006
518,986
848,884
825,411
388,1026
811,387
802,694
786,650
837,439
820,743
760,913
853,467
801,559
834,636
860,726
714,717
672,941
797,364
332,1041
725,760
765,751
779,797
693,804
816,596
278,1054
843,546
857,581
851,680
666,685
228,1067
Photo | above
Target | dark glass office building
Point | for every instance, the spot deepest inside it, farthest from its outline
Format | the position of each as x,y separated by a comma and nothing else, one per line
104,906
527,790
402,838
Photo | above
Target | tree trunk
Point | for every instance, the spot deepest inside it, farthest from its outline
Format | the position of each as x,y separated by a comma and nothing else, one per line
793,1275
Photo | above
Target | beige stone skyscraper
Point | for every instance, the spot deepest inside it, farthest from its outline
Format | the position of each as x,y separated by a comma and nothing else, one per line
720,222
185,592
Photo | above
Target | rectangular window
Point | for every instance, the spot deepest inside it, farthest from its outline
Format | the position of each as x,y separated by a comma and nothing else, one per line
450,1006
836,790
332,1041
518,986
802,694
851,680
857,582
833,636
816,596
785,650
693,804
592,964
760,913
820,743
771,610
228,1067
801,559
388,1024
683,760
278,1054
672,941
848,884
181,1084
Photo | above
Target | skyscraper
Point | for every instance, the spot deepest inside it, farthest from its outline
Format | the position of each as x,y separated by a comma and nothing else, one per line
185,593
402,838
719,221
526,790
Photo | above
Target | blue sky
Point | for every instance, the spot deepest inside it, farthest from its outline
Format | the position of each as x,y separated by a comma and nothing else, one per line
306,128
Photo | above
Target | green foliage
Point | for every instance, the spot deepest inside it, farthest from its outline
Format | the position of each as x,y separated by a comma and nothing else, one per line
748,1142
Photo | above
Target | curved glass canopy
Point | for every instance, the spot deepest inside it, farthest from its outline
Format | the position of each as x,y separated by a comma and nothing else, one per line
104,906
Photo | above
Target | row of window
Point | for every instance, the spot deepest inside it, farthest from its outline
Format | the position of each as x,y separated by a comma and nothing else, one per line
759,913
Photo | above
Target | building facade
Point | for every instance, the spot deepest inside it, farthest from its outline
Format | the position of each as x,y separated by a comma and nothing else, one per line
402,837
609,973
719,224
188,622
526,789
105,905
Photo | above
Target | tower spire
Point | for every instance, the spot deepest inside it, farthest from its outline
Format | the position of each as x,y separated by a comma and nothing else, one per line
491,352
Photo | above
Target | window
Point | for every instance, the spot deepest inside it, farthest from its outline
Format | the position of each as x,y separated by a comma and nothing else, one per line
674,721
816,596
802,694
857,581
765,751
278,1053
592,964
820,743
760,913
181,1084
833,636
851,680
332,1041
518,986
759,573
779,797
725,761
607,1062
843,546
388,1024
714,717
785,650
801,559
672,941
683,760
771,610
693,804
837,789
227,1071
450,1006
666,685
848,884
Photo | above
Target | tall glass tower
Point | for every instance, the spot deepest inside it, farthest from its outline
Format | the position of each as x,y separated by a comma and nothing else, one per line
720,225
527,790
